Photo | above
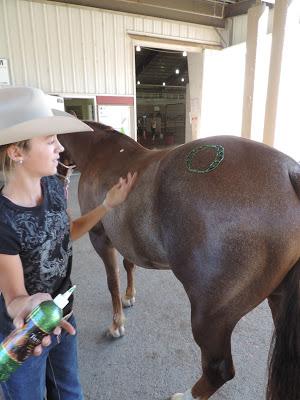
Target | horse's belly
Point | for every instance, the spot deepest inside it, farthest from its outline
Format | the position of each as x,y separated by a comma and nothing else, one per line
150,264
145,252
155,261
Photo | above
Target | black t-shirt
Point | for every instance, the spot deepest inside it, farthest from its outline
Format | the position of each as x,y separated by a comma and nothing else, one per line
41,237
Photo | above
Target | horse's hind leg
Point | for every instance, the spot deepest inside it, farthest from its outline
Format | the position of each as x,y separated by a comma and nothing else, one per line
108,255
213,336
128,299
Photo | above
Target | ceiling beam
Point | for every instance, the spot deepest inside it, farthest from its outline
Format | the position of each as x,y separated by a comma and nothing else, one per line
242,7
204,13
144,62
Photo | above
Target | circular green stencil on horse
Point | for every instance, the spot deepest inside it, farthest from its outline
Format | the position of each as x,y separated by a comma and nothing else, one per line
219,157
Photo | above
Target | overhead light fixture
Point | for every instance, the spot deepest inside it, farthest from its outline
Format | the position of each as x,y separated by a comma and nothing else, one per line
138,48
164,83
177,71
184,54
182,79
138,82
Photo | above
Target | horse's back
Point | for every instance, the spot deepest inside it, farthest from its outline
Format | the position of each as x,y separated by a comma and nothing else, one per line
229,165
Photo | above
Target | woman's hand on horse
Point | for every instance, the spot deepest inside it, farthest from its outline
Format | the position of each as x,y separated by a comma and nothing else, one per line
119,192
30,303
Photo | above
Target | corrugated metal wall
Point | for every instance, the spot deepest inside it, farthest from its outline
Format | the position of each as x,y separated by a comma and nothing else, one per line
239,27
78,50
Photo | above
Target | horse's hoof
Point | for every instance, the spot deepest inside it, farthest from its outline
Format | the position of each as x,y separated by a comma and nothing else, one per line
177,396
183,396
116,333
128,301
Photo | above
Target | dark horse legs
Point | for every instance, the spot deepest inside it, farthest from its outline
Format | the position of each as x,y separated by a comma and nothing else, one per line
214,339
108,254
128,299
212,332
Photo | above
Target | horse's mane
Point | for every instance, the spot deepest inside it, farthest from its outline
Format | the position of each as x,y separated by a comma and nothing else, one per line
111,133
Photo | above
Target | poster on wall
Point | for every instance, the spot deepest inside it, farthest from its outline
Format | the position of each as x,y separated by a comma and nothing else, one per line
118,117
4,72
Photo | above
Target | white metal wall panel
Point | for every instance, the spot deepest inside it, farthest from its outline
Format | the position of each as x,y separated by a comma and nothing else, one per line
4,43
239,27
58,79
157,26
110,53
148,25
68,49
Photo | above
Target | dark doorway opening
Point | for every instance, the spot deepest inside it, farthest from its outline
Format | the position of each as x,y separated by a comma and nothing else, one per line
161,79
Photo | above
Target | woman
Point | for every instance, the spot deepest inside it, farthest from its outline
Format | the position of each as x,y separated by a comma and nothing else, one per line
35,239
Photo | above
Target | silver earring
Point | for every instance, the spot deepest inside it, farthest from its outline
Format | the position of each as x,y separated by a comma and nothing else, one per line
20,162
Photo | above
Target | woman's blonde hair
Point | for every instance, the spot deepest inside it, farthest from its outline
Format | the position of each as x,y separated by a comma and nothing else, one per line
6,163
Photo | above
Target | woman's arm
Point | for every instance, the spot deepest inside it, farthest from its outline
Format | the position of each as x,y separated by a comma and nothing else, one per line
12,283
18,302
115,196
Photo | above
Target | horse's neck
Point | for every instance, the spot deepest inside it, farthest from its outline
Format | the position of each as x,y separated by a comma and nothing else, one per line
84,146
78,146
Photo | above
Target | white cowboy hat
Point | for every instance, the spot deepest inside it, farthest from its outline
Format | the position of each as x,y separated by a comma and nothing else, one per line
25,113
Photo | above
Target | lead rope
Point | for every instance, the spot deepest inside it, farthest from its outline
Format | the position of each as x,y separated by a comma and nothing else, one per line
66,178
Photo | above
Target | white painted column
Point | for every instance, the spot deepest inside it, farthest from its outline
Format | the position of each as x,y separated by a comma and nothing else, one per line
195,67
287,125
257,26
282,10
188,125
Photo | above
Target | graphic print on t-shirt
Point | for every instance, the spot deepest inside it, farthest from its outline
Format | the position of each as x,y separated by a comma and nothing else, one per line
42,236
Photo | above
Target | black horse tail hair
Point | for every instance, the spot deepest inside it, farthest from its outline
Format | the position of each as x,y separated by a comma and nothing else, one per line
284,356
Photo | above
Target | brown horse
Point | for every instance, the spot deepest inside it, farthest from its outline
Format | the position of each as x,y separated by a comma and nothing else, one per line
223,214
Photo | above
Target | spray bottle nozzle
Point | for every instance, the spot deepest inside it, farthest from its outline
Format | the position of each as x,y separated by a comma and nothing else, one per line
68,293
61,300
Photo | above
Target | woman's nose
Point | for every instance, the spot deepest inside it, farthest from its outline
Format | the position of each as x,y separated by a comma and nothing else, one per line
60,147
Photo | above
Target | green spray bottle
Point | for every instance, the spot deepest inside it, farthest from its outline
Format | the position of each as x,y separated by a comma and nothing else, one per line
19,345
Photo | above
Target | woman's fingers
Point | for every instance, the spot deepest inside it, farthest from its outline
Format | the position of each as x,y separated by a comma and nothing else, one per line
119,192
57,331
37,350
46,341
30,303
130,180
68,327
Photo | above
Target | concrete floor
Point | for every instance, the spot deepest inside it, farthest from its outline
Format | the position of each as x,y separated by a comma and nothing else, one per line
157,356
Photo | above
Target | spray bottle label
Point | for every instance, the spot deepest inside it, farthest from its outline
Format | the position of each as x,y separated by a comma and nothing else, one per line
21,342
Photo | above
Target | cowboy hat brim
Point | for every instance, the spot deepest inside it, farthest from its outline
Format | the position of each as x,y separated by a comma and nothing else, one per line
58,124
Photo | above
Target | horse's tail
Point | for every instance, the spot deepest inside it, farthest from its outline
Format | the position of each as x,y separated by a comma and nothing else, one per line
284,357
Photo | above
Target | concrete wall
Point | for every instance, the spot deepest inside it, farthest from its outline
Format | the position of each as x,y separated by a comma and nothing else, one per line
222,91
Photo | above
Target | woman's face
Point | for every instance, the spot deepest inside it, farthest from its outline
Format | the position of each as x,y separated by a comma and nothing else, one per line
41,158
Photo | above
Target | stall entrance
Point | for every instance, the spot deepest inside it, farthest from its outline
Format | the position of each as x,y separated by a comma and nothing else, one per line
161,79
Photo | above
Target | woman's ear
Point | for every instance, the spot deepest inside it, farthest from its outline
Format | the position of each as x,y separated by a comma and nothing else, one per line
15,153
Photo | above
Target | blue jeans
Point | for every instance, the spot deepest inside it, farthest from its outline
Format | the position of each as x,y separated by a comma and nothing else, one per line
54,372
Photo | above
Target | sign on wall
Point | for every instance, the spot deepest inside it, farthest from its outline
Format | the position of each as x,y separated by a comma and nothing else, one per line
4,72
118,117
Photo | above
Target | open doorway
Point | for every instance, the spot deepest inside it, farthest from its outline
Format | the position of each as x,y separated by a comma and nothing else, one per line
81,108
161,79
